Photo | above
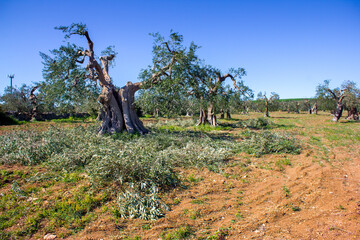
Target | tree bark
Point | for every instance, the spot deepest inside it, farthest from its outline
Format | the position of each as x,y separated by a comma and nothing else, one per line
119,110
338,112
35,111
339,107
119,113
309,107
228,115
202,117
314,109
211,117
353,114
266,114
222,115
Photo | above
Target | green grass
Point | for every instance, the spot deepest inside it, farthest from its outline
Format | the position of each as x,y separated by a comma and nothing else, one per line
283,162
178,234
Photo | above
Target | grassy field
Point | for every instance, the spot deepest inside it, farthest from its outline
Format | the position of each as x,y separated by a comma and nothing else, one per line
292,176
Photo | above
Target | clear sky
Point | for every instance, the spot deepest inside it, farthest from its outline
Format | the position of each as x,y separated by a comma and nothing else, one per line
288,47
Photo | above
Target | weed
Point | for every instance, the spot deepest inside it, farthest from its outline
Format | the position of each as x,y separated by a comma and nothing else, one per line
283,162
146,226
220,234
342,207
287,191
192,179
239,216
177,201
180,233
197,201
195,214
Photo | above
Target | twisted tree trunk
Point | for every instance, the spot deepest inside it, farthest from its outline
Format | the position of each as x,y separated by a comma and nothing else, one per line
118,113
309,107
33,100
202,117
228,115
119,108
222,114
339,106
211,117
353,114
338,112
314,109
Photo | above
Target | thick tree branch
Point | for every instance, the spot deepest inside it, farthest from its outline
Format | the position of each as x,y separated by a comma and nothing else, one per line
332,93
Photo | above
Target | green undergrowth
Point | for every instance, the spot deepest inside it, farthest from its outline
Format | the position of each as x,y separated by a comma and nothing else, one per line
123,157
257,123
266,142
72,119
37,202
126,173
136,168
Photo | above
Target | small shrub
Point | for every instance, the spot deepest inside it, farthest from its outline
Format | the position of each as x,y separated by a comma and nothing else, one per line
137,204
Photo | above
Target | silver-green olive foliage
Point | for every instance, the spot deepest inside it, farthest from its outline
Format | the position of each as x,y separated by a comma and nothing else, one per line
66,87
188,77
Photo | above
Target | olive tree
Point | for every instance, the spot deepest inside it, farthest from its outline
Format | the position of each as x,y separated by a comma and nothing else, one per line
16,99
337,96
352,99
119,112
269,103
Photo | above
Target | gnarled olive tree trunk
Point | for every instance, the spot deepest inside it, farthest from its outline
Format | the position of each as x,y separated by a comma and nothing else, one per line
353,114
228,115
207,117
314,109
35,116
202,117
119,110
222,114
309,107
118,113
339,106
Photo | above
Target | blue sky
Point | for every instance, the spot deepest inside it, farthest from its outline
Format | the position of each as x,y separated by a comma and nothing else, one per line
288,47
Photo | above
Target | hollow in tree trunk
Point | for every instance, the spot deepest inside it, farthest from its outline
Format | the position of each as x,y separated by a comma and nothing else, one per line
119,110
